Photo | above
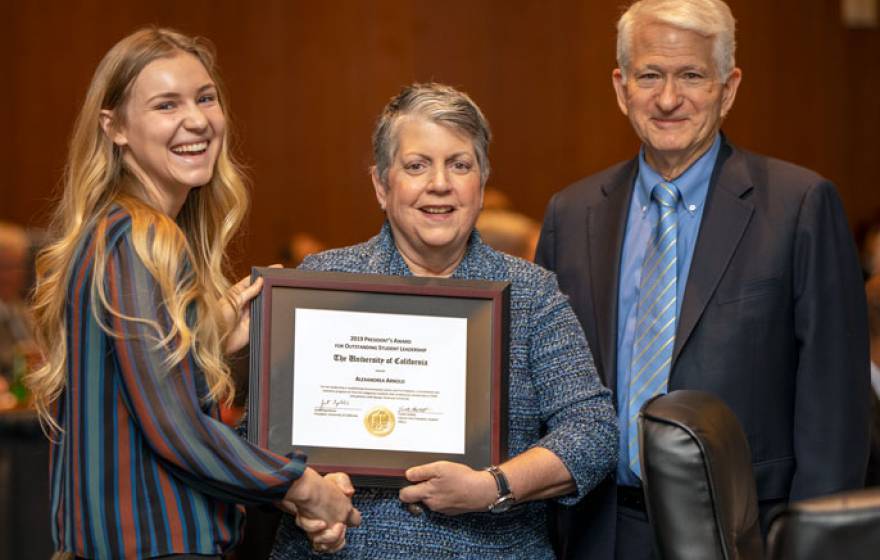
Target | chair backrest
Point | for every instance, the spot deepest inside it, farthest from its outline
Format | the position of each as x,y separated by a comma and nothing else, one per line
697,474
845,525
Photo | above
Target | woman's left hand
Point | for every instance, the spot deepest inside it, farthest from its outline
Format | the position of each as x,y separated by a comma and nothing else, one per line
240,295
450,488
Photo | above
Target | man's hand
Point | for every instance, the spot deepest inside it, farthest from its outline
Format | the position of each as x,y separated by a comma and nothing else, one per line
450,488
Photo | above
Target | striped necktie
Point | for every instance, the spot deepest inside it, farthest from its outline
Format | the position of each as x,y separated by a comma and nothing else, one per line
655,326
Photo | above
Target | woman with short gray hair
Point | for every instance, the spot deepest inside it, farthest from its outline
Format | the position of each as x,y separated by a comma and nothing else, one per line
431,164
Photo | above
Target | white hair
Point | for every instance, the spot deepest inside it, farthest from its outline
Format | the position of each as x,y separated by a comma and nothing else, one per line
709,18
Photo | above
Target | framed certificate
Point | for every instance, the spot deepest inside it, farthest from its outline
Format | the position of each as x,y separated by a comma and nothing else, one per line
370,375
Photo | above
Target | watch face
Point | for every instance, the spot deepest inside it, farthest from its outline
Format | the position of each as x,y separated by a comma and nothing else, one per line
503,504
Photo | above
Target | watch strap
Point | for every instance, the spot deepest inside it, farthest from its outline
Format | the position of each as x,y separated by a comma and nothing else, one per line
500,481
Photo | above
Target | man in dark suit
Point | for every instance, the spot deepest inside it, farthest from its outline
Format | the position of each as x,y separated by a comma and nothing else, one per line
698,265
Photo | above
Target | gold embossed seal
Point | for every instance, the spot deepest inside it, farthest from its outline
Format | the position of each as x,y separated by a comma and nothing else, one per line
379,421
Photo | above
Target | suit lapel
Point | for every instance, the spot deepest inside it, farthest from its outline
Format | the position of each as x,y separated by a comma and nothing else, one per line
726,216
606,225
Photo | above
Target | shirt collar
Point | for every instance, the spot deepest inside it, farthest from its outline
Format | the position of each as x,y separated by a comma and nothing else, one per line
693,184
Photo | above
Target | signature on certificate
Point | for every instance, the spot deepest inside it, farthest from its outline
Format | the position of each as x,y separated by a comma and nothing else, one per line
415,410
332,404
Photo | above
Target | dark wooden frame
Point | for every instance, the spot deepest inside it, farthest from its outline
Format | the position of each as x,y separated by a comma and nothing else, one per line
434,296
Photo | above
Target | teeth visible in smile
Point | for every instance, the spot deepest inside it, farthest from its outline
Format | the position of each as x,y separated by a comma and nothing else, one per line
190,148
437,209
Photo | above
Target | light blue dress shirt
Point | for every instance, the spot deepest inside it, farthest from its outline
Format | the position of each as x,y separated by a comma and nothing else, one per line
693,185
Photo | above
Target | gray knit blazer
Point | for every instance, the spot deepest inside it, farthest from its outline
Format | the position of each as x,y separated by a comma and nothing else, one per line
556,402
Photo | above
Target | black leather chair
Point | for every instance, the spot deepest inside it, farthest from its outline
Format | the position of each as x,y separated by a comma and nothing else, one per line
697,475
844,526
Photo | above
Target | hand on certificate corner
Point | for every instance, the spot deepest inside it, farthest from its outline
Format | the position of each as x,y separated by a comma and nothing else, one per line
236,310
323,509
449,488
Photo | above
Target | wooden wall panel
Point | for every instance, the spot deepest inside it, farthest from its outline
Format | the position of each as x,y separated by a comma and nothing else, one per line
307,80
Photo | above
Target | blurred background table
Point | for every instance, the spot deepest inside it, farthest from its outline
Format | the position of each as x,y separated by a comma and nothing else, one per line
24,487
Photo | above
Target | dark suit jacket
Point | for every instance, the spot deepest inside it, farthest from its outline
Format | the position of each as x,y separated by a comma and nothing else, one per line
773,318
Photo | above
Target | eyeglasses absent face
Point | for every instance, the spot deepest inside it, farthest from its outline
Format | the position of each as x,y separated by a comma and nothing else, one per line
172,127
433,193
673,94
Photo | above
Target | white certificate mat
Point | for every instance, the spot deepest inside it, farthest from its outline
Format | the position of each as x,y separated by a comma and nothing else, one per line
379,381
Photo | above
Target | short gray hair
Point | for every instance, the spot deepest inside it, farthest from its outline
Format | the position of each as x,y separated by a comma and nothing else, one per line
709,18
440,104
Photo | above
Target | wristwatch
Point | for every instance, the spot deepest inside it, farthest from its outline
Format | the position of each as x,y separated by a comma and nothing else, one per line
505,499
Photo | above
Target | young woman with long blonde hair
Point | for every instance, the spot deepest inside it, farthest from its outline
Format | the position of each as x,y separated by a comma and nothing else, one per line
134,315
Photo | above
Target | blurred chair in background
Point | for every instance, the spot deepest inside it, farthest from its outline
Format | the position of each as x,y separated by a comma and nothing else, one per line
300,245
14,249
504,229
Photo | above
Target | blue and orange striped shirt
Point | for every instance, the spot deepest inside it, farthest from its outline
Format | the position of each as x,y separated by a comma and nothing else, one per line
144,467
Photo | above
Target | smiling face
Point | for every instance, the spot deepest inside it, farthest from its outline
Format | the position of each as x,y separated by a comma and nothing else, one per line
673,94
171,128
433,195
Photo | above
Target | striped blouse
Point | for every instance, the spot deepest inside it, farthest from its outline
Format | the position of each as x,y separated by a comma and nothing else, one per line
144,467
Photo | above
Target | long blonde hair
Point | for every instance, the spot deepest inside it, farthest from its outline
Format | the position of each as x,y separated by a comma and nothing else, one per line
95,179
